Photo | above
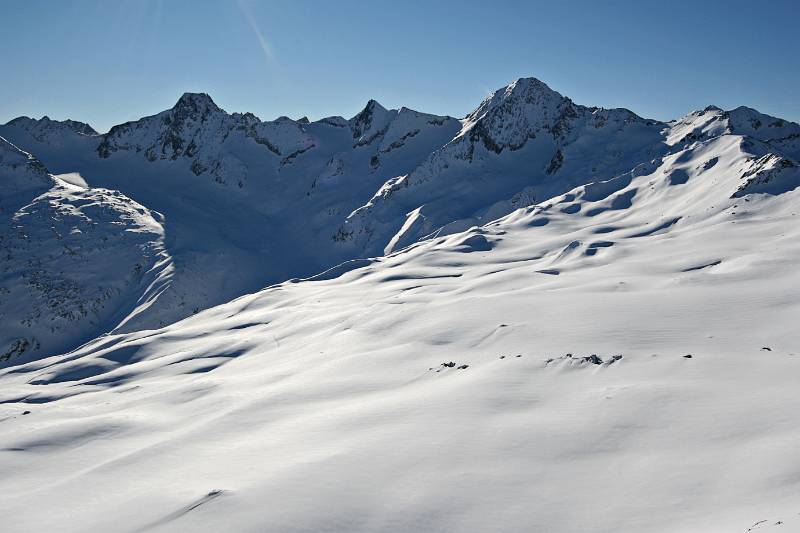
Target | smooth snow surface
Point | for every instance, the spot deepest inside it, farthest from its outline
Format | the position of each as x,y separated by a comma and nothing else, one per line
617,354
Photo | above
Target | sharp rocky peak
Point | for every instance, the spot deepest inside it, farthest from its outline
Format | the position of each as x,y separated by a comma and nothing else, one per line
373,106
524,91
196,103
528,85
370,122
512,115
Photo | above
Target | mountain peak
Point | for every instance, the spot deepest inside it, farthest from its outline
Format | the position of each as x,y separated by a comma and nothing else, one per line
511,115
530,90
373,105
525,92
527,84
370,121
197,102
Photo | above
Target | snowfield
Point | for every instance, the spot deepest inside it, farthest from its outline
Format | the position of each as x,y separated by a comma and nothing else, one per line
484,336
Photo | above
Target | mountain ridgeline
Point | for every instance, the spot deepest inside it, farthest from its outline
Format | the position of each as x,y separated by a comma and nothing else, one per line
165,216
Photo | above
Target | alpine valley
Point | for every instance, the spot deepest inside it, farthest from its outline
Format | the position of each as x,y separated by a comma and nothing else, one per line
540,317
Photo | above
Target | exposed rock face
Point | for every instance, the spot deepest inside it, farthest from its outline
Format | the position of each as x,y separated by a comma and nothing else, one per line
770,174
517,113
371,123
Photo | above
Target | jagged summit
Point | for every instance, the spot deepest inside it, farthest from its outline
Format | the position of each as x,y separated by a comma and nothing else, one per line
528,85
526,90
372,106
512,114
388,129
370,122
528,108
196,102
531,102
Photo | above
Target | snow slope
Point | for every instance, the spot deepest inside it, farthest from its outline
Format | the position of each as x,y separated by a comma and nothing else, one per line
618,357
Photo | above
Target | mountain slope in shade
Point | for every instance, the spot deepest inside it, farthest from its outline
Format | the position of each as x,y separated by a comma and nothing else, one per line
46,130
620,357
76,261
22,176
245,202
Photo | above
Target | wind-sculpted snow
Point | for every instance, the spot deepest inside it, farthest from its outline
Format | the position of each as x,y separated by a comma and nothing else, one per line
620,357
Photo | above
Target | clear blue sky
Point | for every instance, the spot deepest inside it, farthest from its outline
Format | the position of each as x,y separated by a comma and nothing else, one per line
105,62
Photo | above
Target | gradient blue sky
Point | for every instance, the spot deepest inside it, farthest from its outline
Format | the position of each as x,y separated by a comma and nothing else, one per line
105,62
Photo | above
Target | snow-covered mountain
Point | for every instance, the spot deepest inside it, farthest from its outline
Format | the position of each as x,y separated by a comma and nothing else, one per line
76,261
523,144
617,354
245,203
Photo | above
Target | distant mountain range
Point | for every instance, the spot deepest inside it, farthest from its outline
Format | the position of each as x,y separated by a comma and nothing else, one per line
171,214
